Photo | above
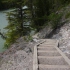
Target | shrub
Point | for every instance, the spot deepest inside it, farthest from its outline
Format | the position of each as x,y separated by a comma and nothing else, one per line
55,20
67,15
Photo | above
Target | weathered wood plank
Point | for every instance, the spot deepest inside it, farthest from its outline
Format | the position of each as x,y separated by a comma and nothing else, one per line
37,57
62,54
53,66
35,60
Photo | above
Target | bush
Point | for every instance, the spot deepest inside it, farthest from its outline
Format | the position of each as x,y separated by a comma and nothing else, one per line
67,15
55,20
27,38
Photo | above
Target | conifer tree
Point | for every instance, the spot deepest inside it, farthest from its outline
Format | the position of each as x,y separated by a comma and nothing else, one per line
17,19
36,13
40,12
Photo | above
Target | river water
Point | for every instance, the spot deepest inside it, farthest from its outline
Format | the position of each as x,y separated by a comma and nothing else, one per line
3,23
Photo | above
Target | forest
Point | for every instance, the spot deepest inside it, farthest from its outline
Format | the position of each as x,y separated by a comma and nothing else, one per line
36,12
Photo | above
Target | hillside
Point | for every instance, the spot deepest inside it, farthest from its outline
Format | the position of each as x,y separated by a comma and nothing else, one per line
20,55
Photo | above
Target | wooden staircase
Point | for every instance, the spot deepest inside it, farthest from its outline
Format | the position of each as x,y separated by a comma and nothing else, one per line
47,56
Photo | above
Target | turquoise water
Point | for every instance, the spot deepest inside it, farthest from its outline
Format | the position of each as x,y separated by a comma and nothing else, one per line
3,23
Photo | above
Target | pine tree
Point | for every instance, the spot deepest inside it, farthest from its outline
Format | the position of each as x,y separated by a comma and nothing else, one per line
36,13
17,19
39,13
42,9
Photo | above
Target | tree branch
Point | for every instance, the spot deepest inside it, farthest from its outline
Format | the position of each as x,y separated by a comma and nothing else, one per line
4,37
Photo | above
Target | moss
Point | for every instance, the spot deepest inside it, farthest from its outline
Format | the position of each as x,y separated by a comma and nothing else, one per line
67,15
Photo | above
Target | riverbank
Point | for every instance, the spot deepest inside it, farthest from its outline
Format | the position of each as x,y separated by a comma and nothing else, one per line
3,24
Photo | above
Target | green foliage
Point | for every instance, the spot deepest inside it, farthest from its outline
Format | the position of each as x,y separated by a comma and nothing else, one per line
2,35
11,37
28,38
40,9
40,13
36,14
67,15
2,5
17,22
55,20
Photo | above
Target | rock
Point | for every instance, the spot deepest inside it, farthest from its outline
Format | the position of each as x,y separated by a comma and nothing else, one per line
44,32
35,40
63,35
27,50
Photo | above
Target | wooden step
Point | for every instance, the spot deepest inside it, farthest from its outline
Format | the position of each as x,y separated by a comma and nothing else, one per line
50,40
47,48
47,56
56,60
48,53
51,57
54,67
48,45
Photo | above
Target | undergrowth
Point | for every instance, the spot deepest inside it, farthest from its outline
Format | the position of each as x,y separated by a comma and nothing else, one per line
55,19
67,15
